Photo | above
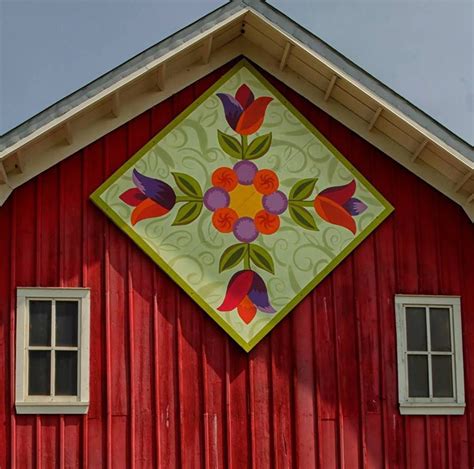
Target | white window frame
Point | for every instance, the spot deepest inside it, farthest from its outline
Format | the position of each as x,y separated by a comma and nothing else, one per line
430,405
52,404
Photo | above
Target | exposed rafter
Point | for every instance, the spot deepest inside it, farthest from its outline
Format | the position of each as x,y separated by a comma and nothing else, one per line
3,174
284,57
68,135
463,180
207,50
115,104
161,77
374,118
330,87
19,161
418,151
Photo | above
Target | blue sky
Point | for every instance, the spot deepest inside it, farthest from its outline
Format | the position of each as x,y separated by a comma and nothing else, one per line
423,50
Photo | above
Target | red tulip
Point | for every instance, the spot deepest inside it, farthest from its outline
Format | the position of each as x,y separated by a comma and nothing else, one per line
247,292
337,206
151,198
243,112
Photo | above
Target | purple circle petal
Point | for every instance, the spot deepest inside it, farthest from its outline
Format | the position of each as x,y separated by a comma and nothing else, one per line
275,203
246,171
245,230
215,198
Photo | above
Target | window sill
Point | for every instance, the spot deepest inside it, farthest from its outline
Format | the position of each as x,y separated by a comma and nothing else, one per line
52,407
420,408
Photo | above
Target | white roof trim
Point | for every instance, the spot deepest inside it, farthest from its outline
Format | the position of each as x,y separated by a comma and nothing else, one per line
245,32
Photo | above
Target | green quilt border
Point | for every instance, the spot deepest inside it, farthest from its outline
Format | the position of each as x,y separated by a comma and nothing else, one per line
247,346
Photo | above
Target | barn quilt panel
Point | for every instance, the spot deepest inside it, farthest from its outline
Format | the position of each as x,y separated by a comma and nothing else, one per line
243,203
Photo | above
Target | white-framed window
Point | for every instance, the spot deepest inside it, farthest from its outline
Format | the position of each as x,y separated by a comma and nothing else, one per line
429,352
52,350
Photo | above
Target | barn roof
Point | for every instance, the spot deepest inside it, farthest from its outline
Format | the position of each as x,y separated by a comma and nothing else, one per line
254,29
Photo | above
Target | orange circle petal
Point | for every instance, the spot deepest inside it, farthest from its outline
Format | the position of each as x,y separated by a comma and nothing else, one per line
226,178
267,223
223,219
266,181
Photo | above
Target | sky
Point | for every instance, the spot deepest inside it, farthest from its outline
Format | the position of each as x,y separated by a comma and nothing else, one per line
424,50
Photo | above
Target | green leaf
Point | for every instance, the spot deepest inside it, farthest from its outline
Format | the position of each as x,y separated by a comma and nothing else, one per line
188,184
232,256
188,213
302,217
258,147
230,145
262,258
303,189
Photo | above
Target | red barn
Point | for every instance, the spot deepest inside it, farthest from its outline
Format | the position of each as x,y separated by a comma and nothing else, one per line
109,363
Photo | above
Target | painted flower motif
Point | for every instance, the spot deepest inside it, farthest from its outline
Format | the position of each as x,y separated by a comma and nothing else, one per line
243,112
248,293
337,206
245,201
151,198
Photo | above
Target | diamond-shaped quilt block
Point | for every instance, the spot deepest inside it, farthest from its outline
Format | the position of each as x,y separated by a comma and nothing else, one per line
243,203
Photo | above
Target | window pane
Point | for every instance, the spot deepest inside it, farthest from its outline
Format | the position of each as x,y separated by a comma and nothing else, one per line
40,322
39,373
66,323
416,328
440,329
442,375
418,376
66,374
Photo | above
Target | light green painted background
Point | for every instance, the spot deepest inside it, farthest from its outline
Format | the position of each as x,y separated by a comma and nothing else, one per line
189,145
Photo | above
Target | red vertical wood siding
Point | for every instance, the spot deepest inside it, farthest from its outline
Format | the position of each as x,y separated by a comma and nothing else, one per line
169,388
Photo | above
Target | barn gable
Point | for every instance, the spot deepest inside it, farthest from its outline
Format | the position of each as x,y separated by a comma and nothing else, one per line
253,29
164,386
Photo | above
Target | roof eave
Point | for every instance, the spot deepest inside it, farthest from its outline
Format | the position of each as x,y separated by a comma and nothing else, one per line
314,70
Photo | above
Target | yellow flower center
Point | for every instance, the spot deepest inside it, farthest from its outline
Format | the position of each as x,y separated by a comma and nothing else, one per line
246,201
